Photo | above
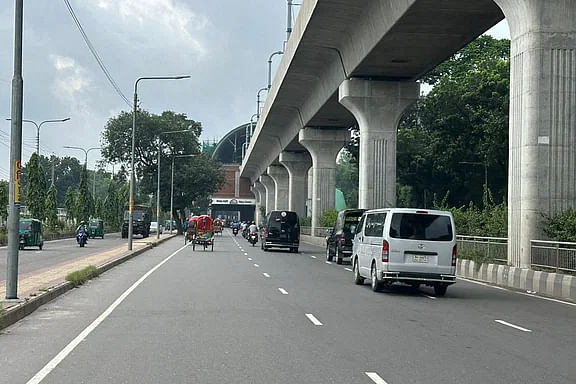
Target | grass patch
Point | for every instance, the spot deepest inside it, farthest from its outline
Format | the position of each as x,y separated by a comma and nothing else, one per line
78,278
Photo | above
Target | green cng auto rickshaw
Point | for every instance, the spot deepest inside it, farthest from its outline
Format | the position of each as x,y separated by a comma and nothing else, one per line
31,233
96,228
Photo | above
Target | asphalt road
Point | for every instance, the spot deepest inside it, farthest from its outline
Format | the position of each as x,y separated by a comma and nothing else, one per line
58,251
239,315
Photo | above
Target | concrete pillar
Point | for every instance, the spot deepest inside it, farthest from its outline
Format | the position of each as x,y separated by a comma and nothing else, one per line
270,187
378,107
260,193
542,139
280,176
324,146
297,164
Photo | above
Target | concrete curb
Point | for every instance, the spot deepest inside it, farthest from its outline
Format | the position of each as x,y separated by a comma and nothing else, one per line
20,311
554,285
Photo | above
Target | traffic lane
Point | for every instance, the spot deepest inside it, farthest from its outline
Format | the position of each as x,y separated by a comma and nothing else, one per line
530,310
59,251
205,317
28,345
434,339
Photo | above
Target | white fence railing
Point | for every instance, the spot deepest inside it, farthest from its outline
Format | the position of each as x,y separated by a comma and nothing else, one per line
492,249
556,255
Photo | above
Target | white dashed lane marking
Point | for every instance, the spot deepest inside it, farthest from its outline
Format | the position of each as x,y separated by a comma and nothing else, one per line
266,275
283,291
256,265
348,269
376,378
313,319
513,326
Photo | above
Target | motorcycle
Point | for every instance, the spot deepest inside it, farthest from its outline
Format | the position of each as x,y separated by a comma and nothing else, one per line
253,238
82,239
235,231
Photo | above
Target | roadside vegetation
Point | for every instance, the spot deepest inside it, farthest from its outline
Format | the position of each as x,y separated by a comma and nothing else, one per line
81,276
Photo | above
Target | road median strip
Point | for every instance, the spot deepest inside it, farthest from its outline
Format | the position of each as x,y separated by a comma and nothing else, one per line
46,288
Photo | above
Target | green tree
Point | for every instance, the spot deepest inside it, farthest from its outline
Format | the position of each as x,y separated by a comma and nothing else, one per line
4,190
70,203
51,207
99,209
113,207
195,178
35,188
67,172
347,178
84,204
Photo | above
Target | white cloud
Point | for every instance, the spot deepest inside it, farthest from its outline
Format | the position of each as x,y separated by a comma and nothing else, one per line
161,19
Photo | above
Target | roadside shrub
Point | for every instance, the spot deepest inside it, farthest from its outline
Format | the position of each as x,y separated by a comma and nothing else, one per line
328,218
3,238
561,227
305,221
81,276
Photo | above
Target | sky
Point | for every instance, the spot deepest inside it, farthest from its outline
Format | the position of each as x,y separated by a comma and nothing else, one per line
224,45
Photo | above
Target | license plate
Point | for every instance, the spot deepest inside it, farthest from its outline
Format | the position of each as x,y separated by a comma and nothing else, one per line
420,259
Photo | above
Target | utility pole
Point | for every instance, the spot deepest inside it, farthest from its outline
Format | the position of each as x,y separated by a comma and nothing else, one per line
53,164
15,157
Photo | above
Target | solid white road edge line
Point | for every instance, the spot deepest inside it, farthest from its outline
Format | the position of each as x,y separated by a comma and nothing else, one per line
376,378
41,375
283,291
266,275
513,326
519,293
313,319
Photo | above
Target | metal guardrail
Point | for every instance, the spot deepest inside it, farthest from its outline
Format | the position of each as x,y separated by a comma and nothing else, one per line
556,255
319,232
492,248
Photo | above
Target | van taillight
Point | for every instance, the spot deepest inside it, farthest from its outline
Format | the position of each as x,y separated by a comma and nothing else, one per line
385,251
342,240
454,255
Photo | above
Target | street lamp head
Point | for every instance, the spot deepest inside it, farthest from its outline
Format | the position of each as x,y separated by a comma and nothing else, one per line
182,77
64,120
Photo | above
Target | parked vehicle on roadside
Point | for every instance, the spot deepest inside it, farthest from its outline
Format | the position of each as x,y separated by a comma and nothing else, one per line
410,246
96,228
281,229
154,227
339,239
31,233
140,221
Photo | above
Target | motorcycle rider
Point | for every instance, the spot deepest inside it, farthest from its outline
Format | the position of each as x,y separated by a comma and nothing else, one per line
81,231
253,228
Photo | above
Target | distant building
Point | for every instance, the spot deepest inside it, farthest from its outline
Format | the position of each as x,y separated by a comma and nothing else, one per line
234,200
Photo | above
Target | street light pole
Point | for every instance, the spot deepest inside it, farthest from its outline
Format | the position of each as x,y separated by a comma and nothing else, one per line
172,189
38,126
86,151
132,173
270,67
258,102
15,157
158,186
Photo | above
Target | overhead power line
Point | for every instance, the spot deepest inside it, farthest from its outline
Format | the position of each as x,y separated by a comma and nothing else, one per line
95,54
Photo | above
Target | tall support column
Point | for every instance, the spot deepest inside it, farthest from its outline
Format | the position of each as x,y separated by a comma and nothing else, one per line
542,139
261,201
324,146
297,164
378,107
270,187
280,176
257,205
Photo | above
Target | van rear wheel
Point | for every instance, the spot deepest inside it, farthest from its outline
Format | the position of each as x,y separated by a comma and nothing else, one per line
376,285
440,290
358,280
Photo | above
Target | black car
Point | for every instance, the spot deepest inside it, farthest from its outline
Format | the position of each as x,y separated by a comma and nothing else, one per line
339,241
281,229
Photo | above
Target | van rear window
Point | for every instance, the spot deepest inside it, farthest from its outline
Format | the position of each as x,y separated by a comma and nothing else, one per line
413,226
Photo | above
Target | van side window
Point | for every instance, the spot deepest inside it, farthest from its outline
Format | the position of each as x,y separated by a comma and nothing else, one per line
375,225
360,225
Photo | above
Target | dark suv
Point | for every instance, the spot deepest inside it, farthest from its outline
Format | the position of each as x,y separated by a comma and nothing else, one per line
281,230
339,241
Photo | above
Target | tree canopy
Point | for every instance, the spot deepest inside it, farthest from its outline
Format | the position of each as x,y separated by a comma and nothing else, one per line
35,188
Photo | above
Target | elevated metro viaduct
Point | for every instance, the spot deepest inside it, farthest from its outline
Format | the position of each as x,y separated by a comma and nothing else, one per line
358,62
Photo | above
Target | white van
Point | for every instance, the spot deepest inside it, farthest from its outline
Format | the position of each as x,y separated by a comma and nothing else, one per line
411,246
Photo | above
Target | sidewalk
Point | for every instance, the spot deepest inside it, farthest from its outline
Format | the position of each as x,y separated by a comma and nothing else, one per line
32,284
